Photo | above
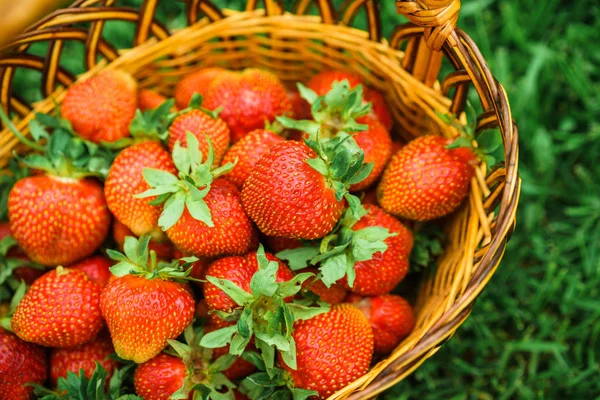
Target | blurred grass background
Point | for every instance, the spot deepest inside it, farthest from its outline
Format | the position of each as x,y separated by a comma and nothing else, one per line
535,331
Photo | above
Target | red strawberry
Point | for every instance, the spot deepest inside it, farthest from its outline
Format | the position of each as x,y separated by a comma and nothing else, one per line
195,82
61,309
20,363
196,237
370,197
96,268
248,151
335,294
142,314
333,349
164,250
375,141
102,107
160,377
201,125
323,81
125,180
58,220
149,99
425,179
239,270
386,269
300,108
287,197
391,318
279,243
248,98
83,357
200,210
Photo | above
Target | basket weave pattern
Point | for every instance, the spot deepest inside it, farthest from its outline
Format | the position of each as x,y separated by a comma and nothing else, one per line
405,68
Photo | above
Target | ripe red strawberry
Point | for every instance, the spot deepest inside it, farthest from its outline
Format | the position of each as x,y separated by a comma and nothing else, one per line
61,309
249,98
335,294
285,196
425,179
333,349
279,243
142,314
125,180
248,150
239,270
20,363
97,268
300,108
160,377
376,142
195,82
391,318
323,81
83,357
201,125
58,221
386,269
149,99
102,107
195,237
164,250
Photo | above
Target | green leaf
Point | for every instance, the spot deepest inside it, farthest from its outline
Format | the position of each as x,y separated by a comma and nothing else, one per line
172,212
122,269
158,178
183,350
222,363
362,174
302,312
355,205
276,340
237,294
199,210
267,352
460,141
195,101
289,357
333,269
219,338
294,285
319,165
298,258
368,241
263,282
181,158
131,248
310,127
303,394
307,94
340,164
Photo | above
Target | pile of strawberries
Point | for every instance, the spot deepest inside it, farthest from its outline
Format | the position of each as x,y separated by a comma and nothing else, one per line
238,241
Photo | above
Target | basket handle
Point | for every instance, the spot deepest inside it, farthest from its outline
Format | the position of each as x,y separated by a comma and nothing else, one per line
438,18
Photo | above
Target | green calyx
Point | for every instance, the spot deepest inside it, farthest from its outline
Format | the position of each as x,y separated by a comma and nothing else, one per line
337,253
487,146
61,152
187,190
204,378
8,178
154,124
263,314
78,386
271,383
139,260
333,113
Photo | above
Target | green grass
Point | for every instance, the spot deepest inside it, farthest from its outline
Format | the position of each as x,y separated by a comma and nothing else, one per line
535,330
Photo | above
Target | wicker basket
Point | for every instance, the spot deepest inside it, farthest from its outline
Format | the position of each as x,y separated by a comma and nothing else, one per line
296,45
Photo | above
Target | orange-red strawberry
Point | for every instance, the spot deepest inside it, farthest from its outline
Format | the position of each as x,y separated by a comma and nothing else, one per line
58,221
61,309
201,210
142,314
379,108
164,250
249,98
195,82
83,357
376,142
391,318
102,107
292,192
160,377
97,268
333,349
248,150
125,180
149,99
201,125
425,179
20,363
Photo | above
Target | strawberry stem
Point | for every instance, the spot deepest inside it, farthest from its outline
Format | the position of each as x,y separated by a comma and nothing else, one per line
18,134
